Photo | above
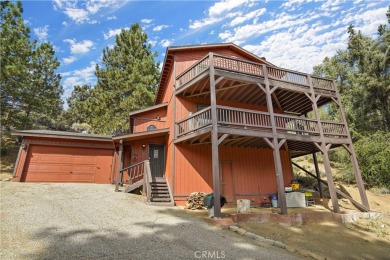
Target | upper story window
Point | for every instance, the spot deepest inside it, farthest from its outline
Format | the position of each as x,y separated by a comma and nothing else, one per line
151,128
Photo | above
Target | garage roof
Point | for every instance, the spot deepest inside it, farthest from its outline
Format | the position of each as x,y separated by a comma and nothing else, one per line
62,134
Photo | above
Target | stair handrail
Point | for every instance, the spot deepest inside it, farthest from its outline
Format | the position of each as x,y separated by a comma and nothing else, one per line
170,192
129,171
148,179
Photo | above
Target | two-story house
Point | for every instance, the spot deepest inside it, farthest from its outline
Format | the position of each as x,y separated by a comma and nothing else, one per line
228,122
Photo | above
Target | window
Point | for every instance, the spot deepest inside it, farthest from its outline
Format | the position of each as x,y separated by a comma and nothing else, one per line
151,128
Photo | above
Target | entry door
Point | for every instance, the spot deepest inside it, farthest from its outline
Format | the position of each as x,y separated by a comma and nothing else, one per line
227,184
157,160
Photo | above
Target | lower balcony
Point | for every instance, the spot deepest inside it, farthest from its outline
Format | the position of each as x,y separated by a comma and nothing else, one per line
248,128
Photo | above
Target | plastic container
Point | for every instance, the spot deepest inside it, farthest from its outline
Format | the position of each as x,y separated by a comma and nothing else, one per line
274,200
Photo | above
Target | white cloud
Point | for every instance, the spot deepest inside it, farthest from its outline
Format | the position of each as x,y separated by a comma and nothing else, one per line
78,77
77,15
197,24
146,20
248,16
224,6
166,43
111,18
64,23
153,42
68,60
112,33
41,32
80,47
160,27
83,11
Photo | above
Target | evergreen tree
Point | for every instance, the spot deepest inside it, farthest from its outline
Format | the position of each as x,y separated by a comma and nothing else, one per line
78,110
15,59
30,87
362,75
126,81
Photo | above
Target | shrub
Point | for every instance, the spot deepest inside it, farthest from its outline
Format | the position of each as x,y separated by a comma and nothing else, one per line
373,154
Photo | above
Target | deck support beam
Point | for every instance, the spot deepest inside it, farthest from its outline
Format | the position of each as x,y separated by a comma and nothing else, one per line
323,147
276,144
351,151
120,166
214,141
318,174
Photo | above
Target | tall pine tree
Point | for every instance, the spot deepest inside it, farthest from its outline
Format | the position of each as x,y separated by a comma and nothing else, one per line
126,81
30,87
362,72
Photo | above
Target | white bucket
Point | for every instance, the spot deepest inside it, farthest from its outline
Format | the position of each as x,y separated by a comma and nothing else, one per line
274,203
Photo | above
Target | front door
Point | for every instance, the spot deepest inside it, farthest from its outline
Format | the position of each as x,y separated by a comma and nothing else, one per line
157,160
227,183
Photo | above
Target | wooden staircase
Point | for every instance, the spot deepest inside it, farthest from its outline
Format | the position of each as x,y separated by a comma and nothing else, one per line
156,189
160,193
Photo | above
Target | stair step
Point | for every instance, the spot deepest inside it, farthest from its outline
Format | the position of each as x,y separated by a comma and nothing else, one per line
158,184
160,199
160,192
160,196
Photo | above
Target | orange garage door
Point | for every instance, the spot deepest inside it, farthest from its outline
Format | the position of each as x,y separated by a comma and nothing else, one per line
68,164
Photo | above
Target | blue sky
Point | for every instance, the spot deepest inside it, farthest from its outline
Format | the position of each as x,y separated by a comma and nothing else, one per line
295,34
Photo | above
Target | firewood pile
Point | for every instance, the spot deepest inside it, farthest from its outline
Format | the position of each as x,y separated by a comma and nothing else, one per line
195,201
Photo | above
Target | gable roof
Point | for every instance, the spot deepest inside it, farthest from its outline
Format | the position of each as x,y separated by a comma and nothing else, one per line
169,60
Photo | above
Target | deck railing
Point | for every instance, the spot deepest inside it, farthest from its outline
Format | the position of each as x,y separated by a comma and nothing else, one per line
252,68
243,117
251,119
334,129
296,125
194,122
193,71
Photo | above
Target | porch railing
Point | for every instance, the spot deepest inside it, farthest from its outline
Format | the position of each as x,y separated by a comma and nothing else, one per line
252,68
236,117
134,173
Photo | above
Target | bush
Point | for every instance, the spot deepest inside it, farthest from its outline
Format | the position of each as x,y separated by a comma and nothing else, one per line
373,154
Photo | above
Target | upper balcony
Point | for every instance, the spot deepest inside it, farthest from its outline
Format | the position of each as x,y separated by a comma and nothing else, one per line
246,127
237,79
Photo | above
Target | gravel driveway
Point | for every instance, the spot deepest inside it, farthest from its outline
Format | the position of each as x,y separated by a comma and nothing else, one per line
91,221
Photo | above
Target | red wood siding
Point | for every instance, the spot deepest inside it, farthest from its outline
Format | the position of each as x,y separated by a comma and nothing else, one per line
143,120
253,170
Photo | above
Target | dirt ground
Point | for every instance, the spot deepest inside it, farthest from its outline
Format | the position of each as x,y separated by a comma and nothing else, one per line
364,239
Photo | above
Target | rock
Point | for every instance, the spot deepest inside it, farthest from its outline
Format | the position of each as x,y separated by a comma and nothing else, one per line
233,228
251,235
241,231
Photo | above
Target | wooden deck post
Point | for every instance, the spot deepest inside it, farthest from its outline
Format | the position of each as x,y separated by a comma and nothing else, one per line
275,144
324,148
318,174
120,166
214,141
351,151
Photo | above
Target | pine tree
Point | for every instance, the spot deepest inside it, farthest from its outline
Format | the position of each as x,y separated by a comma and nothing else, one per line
126,81
363,78
15,60
30,87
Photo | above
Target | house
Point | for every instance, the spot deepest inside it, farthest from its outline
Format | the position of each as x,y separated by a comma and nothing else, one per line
224,121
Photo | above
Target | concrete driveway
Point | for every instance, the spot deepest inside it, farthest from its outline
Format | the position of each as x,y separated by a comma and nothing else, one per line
91,221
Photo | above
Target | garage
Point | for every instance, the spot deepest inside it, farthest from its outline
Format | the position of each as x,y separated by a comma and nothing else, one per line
52,156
